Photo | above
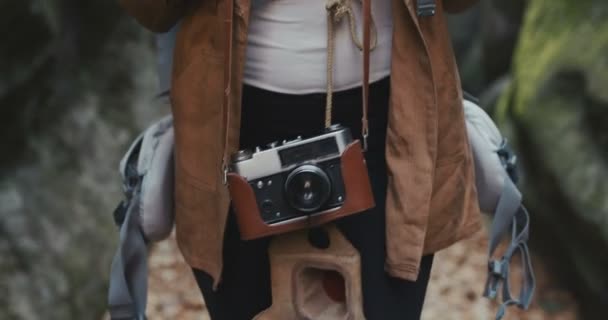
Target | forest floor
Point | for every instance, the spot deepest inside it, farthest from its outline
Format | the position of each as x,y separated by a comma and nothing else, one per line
457,280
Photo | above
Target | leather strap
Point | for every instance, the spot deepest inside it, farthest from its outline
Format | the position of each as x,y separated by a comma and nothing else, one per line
366,52
229,21
227,83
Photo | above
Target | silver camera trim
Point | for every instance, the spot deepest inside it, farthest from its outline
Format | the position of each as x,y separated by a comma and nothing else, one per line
264,163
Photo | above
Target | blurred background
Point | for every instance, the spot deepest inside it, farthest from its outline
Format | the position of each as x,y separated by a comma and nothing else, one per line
78,81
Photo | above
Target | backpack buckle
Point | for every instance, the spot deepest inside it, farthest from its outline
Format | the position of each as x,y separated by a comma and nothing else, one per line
426,8
508,160
497,272
497,268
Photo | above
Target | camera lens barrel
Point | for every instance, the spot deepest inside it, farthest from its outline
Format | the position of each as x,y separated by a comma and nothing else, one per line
307,188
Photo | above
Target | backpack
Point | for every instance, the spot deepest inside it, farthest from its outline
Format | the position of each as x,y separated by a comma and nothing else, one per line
144,216
496,177
146,213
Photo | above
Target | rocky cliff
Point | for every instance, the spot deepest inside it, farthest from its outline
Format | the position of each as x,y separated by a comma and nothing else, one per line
557,111
76,83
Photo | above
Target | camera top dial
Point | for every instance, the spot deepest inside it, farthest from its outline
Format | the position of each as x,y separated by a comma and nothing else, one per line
242,155
334,127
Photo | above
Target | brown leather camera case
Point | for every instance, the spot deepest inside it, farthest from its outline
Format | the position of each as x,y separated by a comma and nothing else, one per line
358,198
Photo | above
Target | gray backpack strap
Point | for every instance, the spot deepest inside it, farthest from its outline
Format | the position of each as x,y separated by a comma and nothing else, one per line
510,214
165,44
506,209
129,274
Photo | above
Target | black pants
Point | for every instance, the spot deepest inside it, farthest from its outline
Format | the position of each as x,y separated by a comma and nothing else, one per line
266,117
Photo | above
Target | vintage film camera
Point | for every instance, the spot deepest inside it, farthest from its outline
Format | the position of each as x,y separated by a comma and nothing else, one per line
299,183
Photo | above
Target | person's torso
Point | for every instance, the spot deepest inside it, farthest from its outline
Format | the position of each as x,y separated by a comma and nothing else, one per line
431,200
287,46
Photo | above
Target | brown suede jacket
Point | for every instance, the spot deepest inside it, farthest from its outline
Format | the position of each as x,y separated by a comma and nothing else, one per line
432,199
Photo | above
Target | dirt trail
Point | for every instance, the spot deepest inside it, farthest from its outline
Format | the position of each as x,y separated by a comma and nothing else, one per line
454,293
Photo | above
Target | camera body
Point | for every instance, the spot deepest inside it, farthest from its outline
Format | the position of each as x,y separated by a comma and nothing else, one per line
299,183
296,178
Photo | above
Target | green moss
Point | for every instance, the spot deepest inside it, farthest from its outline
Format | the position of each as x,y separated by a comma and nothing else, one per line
561,35
556,109
560,64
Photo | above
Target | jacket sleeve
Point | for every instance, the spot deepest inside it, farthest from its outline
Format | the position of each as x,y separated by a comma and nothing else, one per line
456,6
156,15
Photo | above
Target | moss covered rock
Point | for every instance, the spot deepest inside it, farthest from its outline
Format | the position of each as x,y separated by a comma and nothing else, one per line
557,111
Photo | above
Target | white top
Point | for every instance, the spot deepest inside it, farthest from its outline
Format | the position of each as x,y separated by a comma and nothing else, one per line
287,46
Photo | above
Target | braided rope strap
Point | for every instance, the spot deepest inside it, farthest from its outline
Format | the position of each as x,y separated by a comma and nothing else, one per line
336,11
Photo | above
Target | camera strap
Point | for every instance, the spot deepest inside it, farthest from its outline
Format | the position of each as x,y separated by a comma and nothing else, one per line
227,103
367,20
336,10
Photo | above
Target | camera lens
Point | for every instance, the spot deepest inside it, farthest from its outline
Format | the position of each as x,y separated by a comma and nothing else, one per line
307,188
